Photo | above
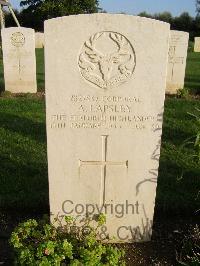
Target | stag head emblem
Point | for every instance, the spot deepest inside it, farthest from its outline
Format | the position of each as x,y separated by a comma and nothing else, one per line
103,68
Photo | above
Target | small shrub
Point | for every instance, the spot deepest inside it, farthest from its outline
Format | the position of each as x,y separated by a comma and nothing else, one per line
183,93
75,243
6,94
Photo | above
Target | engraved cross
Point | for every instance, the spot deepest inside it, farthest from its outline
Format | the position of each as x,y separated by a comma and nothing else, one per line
103,163
174,60
19,67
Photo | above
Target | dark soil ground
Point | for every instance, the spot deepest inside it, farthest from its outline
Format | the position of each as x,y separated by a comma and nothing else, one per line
165,245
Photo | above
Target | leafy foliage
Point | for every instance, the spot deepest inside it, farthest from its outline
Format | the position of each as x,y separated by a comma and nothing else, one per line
183,93
36,11
198,7
43,244
52,8
183,23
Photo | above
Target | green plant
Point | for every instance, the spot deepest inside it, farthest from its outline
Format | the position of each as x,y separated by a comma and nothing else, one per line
195,139
72,243
191,46
196,142
189,254
6,94
183,93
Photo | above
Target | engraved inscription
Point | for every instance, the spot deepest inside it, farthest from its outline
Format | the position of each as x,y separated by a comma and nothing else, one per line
173,58
19,68
107,59
104,163
17,39
58,121
177,39
172,50
105,112
109,112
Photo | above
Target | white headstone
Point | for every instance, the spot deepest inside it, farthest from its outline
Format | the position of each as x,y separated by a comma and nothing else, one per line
105,89
197,44
177,61
19,60
39,40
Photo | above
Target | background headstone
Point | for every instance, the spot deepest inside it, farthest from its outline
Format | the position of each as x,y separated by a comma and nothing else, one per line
19,60
39,40
105,89
177,61
197,44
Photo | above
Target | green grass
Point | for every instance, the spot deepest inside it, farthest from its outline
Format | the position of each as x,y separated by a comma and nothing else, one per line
192,77
176,194
23,160
2,84
40,69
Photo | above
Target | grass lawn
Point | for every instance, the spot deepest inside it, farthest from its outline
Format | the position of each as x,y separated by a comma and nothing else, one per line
40,69
176,194
192,78
23,162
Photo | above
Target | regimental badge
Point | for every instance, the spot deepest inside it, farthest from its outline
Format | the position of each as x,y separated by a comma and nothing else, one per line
107,59
17,39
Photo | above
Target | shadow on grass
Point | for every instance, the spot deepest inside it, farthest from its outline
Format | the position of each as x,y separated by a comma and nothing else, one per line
193,82
179,172
176,136
2,83
194,59
23,126
193,78
23,158
23,186
178,186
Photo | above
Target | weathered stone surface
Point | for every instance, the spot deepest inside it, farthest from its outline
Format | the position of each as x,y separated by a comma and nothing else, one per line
19,59
105,89
177,61
39,40
197,44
